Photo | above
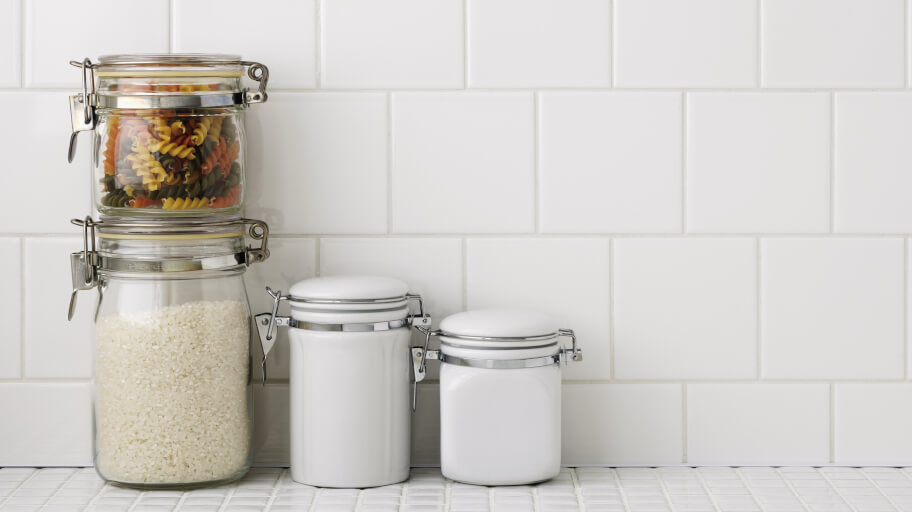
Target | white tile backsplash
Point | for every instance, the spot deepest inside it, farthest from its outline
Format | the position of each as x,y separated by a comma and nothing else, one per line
431,267
463,162
10,49
873,423
713,193
758,162
46,424
685,308
833,43
286,43
339,151
699,43
610,162
41,122
618,429
395,43
539,43
760,424
565,277
290,260
54,347
11,310
833,308
872,160
58,31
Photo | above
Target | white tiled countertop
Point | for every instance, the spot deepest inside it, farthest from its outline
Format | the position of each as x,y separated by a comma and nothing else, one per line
669,489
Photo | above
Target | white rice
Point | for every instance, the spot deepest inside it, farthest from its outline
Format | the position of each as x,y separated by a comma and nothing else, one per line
171,393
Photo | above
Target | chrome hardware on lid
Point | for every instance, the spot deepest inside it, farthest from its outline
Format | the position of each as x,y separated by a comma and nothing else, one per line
147,68
149,249
342,304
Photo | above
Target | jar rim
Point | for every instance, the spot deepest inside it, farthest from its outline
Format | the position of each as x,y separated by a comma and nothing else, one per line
169,59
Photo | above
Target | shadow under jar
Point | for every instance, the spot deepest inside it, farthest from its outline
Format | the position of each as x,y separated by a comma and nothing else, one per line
172,396
168,132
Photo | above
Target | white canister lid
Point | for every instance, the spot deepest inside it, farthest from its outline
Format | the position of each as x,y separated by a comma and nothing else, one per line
499,328
348,288
348,299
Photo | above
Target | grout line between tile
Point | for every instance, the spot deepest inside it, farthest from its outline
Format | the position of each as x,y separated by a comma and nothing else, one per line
906,348
536,161
536,507
389,163
23,39
227,498
880,490
750,489
684,138
577,491
91,504
621,492
139,496
465,44
318,45
759,43
318,262
319,491
906,43
63,484
832,169
465,274
490,499
791,487
835,489
684,431
171,18
611,366
832,429
709,493
759,312
664,489
23,326
359,499
12,491
447,495
612,54
275,490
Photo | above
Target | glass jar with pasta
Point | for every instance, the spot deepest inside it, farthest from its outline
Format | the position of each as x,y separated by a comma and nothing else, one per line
168,132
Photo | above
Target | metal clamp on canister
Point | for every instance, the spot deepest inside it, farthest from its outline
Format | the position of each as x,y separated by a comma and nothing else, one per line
267,323
573,353
83,106
89,264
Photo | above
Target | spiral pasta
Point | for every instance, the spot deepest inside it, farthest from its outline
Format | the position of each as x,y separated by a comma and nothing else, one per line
200,132
159,159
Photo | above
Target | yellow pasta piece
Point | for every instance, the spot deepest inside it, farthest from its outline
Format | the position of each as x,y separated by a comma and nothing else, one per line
177,150
200,132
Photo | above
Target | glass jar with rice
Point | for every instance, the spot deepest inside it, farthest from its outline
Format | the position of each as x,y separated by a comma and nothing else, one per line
172,355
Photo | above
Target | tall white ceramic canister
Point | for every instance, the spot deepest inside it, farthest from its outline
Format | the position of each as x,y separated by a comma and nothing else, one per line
350,379
500,395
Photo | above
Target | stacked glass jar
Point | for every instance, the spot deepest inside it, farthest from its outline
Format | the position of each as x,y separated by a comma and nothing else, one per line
173,405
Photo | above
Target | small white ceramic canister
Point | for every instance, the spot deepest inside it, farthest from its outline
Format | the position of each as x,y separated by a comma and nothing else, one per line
350,378
500,395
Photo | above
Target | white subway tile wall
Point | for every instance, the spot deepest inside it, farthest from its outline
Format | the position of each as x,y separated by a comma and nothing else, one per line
714,194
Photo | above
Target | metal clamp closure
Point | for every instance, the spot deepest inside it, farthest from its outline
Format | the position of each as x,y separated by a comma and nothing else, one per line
86,264
258,73
85,120
573,353
89,99
497,364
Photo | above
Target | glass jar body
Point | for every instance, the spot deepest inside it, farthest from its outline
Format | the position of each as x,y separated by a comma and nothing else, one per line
169,162
173,405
